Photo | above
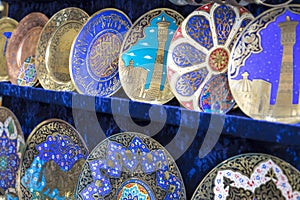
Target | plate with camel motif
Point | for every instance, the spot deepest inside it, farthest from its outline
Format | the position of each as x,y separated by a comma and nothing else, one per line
7,25
95,52
264,66
250,176
143,58
23,42
199,53
12,146
130,166
53,158
53,49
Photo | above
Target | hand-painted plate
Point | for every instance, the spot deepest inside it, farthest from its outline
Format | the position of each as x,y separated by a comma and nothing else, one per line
143,56
12,146
199,53
53,50
23,42
250,176
130,166
7,25
264,72
95,52
53,158
27,73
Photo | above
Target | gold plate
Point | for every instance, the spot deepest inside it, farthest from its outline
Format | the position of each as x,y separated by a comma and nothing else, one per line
23,42
54,155
264,73
12,146
54,48
7,25
250,176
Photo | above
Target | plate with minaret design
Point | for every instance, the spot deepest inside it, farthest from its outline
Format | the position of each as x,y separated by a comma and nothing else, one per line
95,53
53,49
53,158
12,145
130,165
142,63
7,25
250,176
264,72
199,53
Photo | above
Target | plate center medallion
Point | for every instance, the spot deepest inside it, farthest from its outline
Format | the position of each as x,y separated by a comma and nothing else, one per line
218,59
135,189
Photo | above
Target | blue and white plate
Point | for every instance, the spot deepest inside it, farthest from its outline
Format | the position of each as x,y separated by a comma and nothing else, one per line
95,53
53,158
130,166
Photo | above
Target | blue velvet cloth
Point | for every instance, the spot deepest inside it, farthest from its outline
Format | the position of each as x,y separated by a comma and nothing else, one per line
182,132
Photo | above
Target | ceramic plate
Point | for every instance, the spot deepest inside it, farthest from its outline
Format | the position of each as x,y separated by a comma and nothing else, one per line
53,50
264,73
143,56
199,54
23,42
11,151
250,176
130,166
27,73
53,158
95,52
7,25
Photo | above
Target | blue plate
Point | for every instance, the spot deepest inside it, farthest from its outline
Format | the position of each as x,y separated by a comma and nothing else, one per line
52,161
95,52
130,166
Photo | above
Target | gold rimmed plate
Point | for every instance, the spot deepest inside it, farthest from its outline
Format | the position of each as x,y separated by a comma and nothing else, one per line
54,155
250,176
130,166
23,42
12,146
54,46
7,25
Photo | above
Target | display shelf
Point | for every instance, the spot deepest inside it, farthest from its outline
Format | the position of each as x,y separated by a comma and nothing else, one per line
197,141
183,132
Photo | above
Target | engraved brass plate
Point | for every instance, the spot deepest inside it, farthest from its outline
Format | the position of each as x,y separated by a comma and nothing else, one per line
12,146
53,50
199,53
23,42
53,158
143,56
130,166
95,52
250,176
7,25
264,72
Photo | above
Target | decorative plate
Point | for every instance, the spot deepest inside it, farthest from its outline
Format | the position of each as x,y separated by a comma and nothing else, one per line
143,56
264,67
95,52
27,74
199,53
250,176
53,49
53,158
23,43
130,166
7,25
11,151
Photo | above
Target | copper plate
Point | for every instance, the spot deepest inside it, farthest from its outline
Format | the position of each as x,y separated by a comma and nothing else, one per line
23,42
54,47
53,158
7,25
250,176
